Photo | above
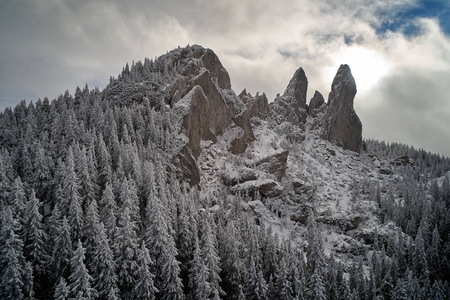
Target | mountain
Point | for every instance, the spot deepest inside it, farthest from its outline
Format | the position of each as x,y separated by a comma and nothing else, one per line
169,185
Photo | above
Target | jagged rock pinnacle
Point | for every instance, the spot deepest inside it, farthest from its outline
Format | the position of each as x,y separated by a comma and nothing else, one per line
316,101
342,125
291,107
297,88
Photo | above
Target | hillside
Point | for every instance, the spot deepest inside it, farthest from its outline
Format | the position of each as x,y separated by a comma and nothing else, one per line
169,185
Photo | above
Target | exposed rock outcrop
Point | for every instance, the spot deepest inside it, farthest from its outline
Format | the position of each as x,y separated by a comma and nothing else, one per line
315,103
187,166
291,107
345,223
385,170
202,97
267,187
239,176
341,124
275,164
403,160
297,88
239,145
270,189
257,106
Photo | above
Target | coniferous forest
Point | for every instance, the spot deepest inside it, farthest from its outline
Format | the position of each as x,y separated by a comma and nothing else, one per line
92,208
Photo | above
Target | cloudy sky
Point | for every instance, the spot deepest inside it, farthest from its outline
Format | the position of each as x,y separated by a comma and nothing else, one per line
398,50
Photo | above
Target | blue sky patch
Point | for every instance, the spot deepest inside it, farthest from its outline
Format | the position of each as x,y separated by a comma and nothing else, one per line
405,20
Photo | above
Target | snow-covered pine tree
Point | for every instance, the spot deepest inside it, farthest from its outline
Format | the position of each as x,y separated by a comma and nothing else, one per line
11,258
61,290
90,230
19,203
80,279
70,192
62,250
256,287
35,249
125,250
103,267
231,264
283,286
108,210
199,287
208,252
144,288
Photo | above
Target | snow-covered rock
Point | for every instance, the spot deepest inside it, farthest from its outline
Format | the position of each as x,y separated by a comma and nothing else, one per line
267,187
239,176
274,164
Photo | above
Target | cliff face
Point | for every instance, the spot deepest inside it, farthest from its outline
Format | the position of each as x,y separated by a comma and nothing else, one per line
200,93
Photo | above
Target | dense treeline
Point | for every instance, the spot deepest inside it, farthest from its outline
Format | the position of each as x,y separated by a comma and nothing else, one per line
89,211
433,165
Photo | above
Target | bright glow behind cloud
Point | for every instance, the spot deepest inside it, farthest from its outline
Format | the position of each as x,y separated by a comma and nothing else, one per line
368,66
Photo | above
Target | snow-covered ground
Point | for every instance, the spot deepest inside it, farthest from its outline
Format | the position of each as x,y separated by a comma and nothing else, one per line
320,177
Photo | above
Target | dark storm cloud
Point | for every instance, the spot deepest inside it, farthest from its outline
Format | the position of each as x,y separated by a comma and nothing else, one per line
49,46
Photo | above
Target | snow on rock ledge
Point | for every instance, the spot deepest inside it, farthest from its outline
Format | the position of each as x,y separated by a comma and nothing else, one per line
267,187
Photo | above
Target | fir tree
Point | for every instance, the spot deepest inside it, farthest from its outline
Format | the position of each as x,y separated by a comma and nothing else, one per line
144,288
11,283
35,236
109,210
317,289
61,290
70,191
231,262
90,230
171,287
297,275
80,280
420,259
283,286
126,249
208,252
437,291
256,285
28,282
87,187
157,236
433,253
19,203
198,276
62,250
103,267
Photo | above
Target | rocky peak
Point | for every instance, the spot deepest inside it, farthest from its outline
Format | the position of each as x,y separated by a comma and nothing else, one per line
291,107
257,106
202,97
341,124
316,101
297,88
